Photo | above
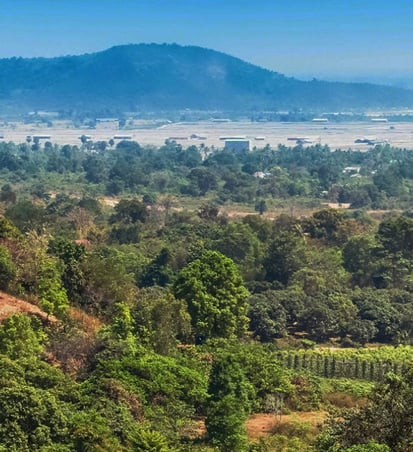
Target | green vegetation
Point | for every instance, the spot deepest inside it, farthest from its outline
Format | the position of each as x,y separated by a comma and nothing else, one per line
215,296
386,419
360,363
166,324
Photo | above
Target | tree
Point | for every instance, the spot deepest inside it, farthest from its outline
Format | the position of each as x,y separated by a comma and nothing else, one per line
18,339
150,441
261,206
358,259
129,212
324,224
71,255
208,212
30,419
389,180
228,406
96,171
260,226
323,272
149,199
377,306
82,221
286,255
237,241
25,215
395,235
327,315
107,281
8,230
40,274
215,294
267,316
387,420
7,268
83,139
160,320
169,387
118,337
158,272
371,446
101,146
7,194
203,179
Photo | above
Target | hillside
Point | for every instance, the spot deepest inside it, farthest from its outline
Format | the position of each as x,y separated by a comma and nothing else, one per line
10,305
171,77
181,328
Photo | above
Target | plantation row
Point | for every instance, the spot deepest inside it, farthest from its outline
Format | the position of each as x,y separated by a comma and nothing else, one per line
363,364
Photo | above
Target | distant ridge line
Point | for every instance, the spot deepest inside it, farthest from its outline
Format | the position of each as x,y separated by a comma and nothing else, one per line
162,77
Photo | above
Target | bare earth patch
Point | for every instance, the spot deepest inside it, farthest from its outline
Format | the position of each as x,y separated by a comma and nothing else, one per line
110,201
11,305
264,424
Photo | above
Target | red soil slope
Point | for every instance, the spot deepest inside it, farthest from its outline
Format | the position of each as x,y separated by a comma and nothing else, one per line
11,305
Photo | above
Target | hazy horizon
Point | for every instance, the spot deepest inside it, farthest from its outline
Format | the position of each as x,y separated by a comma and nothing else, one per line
326,39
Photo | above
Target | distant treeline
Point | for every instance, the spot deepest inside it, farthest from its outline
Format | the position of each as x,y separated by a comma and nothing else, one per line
380,178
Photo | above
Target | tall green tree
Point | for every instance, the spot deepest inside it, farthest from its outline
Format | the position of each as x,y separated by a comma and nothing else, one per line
7,268
129,212
160,320
268,317
215,294
228,406
71,255
108,281
40,273
286,255
358,258
324,224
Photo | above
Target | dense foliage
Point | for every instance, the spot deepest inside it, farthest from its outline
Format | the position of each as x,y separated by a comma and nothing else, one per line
380,178
162,315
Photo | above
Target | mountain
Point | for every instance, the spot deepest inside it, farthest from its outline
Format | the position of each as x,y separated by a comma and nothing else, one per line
171,77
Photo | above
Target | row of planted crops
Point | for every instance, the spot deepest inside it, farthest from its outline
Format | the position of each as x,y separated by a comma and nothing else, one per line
370,364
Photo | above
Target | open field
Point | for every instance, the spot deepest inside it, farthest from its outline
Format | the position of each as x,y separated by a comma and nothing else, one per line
336,135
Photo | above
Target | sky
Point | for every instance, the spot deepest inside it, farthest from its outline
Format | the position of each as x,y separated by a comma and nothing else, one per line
332,39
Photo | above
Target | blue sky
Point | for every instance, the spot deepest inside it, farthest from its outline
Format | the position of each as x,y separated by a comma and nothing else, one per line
321,38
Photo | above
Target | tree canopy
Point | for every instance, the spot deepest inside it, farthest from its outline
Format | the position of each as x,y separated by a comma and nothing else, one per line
215,294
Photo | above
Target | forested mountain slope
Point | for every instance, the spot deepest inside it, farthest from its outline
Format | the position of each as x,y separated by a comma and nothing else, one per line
170,77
